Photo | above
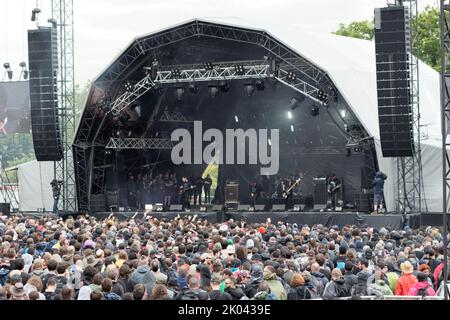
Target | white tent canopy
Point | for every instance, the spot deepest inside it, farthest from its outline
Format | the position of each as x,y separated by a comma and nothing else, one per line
34,185
350,63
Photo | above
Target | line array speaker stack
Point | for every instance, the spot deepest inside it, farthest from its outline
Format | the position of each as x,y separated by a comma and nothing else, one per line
392,48
43,64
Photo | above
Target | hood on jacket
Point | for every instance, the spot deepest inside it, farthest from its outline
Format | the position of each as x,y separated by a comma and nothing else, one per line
270,275
143,269
340,281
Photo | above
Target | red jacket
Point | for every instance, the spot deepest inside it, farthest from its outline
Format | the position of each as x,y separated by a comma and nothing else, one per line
437,271
404,284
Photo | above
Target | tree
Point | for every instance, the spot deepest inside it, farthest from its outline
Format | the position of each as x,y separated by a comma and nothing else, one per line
357,29
428,46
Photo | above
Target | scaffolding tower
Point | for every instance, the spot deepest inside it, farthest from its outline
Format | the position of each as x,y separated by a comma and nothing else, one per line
62,12
444,22
409,169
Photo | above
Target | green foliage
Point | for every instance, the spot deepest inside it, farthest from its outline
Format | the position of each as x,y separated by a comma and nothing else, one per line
18,148
428,46
357,29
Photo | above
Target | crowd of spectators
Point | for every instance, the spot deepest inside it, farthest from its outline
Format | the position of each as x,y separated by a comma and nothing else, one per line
187,258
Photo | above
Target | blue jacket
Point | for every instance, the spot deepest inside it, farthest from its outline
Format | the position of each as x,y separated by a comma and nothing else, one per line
378,182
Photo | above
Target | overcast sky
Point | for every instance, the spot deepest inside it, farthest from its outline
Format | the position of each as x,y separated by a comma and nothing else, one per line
104,27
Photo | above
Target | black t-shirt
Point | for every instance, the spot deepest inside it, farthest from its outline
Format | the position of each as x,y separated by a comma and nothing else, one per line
49,295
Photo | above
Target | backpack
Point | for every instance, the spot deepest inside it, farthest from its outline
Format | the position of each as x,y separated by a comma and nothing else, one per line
422,292
4,272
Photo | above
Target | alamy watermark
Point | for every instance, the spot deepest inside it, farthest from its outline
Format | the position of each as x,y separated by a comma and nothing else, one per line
236,140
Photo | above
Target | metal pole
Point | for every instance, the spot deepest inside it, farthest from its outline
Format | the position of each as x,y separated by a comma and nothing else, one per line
444,100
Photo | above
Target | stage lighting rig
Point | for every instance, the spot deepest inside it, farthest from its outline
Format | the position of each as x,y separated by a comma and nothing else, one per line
193,88
208,66
240,70
315,110
137,109
213,90
175,74
323,97
249,89
179,93
53,22
128,86
224,86
291,77
8,70
24,71
260,85
35,13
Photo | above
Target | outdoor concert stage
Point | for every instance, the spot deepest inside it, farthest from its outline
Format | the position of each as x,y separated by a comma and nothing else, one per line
394,221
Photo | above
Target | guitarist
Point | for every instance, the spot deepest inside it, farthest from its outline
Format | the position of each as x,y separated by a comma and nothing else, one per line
184,192
334,185
289,191
255,192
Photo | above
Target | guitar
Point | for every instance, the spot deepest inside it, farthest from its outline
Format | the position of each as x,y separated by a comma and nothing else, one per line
182,190
287,193
333,189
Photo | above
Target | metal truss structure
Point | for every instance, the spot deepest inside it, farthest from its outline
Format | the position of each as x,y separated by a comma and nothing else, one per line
62,12
280,62
6,188
409,169
139,143
174,116
220,72
445,127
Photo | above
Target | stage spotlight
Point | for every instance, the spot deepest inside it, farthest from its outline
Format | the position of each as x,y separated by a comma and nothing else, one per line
236,119
208,66
158,89
224,86
175,74
323,97
179,93
315,110
269,142
193,88
240,70
249,89
293,104
348,152
53,22
24,71
292,128
213,90
34,13
291,77
128,86
289,114
260,85
137,109
343,113
8,70
357,149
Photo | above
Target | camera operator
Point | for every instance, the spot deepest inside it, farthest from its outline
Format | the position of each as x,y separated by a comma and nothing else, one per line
56,190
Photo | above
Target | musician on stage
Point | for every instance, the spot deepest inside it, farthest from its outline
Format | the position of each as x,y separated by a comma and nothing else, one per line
56,192
207,183
255,192
334,185
378,192
168,185
184,193
198,186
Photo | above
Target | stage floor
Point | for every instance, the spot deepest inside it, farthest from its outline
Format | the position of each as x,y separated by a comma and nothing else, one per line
394,221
